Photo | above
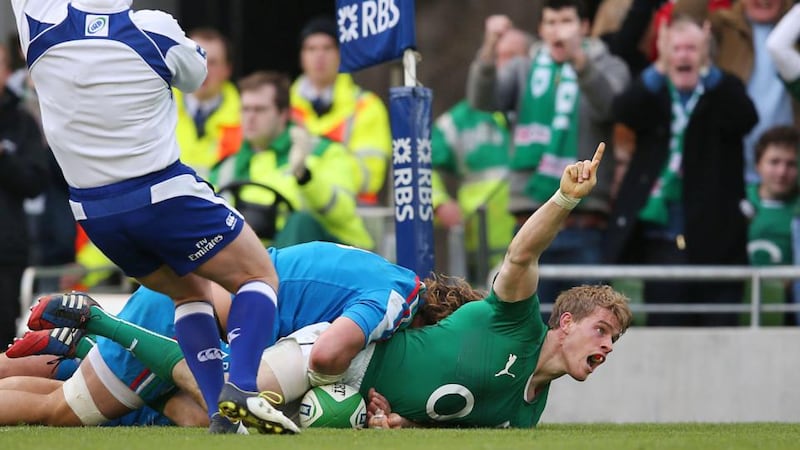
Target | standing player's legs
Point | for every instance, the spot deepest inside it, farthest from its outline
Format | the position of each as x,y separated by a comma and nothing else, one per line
172,224
240,268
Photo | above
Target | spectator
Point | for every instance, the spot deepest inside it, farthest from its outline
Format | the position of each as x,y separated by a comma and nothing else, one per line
473,146
584,77
782,46
209,118
775,201
680,199
52,227
317,178
23,174
741,37
331,105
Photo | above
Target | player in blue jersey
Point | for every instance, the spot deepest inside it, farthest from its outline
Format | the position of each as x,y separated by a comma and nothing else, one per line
103,75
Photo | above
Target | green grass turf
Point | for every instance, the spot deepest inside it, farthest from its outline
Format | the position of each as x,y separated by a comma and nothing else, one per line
594,436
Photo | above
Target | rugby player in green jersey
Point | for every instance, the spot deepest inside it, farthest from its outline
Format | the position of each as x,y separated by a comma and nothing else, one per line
491,362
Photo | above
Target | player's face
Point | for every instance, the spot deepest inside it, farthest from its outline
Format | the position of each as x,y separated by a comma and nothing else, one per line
262,122
219,70
686,56
763,11
778,171
558,28
589,341
319,59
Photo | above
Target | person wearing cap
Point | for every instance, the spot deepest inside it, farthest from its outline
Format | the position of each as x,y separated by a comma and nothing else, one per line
332,105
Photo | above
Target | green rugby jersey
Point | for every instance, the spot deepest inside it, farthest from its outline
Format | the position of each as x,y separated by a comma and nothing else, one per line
472,369
769,232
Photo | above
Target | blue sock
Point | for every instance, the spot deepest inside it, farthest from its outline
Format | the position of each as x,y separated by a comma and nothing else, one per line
251,322
198,337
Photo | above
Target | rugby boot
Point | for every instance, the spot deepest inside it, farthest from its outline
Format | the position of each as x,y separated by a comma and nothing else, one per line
255,410
61,311
221,425
59,342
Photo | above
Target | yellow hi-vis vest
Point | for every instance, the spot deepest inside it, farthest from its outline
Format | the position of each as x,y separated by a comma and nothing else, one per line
223,132
357,119
329,195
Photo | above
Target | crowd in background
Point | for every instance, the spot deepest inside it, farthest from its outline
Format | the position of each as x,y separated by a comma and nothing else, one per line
696,99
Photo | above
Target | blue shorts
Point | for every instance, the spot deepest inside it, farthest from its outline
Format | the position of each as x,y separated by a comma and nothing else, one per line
169,217
141,417
155,313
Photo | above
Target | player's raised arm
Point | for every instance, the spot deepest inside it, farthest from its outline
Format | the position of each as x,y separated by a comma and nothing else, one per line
518,276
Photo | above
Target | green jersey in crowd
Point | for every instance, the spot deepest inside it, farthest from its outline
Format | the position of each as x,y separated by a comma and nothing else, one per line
472,369
769,240
473,146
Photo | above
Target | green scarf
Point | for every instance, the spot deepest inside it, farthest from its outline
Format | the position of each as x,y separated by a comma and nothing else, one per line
669,186
546,135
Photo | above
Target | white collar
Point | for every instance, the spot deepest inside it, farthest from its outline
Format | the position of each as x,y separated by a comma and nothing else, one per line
107,6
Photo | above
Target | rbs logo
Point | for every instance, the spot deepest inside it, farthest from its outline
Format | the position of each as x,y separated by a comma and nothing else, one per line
377,16
404,180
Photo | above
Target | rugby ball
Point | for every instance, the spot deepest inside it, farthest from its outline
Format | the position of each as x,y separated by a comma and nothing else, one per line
333,406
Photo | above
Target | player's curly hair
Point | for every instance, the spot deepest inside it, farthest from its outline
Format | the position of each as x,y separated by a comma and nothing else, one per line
581,301
444,295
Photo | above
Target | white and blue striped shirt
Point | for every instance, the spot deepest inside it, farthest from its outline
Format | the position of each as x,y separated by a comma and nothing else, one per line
103,75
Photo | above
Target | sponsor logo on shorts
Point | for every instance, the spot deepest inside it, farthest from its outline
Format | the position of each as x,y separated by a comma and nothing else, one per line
210,354
96,25
231,221
204,246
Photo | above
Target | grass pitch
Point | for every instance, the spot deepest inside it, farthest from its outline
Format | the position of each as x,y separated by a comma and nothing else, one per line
594,436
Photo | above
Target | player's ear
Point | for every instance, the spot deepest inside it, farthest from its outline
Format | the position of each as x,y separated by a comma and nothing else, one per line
565,321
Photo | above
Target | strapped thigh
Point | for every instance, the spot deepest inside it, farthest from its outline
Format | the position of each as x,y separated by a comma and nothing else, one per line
79,399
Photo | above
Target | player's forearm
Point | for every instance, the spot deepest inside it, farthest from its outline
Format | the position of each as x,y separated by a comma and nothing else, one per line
536,233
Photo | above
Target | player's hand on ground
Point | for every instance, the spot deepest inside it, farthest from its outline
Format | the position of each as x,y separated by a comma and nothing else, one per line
377,402
380,415
578,179
382,421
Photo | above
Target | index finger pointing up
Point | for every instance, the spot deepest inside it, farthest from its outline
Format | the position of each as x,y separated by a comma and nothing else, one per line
598,154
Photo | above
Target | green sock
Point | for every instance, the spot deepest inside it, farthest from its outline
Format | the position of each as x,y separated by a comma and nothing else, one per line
84,345
159,353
